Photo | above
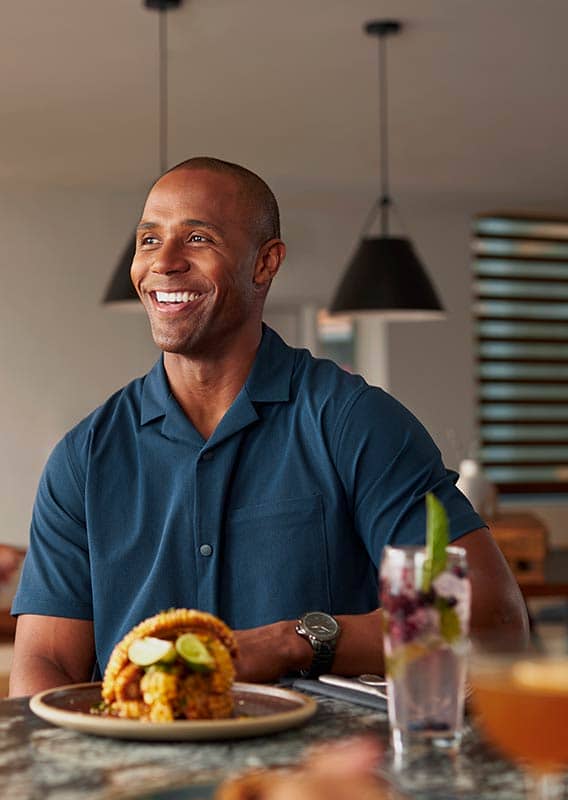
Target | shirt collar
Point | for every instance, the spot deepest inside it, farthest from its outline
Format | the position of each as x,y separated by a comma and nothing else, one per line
268,380
155,393
271,373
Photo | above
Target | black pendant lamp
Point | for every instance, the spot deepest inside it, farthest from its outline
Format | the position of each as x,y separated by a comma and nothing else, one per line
385,276
120,293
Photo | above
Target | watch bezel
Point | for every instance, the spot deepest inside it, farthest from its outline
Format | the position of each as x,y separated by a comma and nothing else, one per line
311,623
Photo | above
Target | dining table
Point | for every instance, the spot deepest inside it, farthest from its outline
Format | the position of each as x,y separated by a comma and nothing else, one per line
52,762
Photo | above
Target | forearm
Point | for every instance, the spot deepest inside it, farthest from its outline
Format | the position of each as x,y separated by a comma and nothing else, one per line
360,646
33,673
272,651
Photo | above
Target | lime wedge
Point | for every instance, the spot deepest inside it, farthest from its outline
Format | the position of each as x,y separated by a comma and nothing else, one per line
437,539
194,652
150,650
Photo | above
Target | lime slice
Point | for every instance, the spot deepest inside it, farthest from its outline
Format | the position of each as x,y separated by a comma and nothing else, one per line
194,652
437,539
150,650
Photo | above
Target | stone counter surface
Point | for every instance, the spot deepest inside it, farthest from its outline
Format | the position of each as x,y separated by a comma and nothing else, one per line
39,761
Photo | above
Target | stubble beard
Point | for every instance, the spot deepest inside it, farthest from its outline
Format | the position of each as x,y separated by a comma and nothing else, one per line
202,338
190,342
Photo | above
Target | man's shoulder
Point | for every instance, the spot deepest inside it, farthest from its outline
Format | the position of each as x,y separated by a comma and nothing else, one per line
345,403
326,380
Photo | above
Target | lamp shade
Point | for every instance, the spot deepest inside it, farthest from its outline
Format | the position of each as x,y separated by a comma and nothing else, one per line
386,277
120,291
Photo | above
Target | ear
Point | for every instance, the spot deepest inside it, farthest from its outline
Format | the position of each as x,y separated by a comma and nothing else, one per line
270,256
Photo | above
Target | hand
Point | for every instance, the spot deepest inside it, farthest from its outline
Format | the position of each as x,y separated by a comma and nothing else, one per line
339,771
270,651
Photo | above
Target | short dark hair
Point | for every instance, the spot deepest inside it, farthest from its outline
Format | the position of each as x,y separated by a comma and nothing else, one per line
263,205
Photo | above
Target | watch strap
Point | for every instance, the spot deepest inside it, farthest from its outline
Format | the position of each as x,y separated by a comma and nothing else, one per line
321,630
322,660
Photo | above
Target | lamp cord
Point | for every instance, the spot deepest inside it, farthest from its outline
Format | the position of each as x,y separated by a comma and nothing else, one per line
384,200
384,203
163,88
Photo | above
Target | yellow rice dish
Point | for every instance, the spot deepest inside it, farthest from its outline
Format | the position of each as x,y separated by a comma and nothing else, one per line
175,665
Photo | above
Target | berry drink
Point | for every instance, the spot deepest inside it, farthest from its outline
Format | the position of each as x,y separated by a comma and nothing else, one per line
425,626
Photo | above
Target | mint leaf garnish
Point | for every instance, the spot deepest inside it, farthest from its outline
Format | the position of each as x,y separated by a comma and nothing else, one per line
437,539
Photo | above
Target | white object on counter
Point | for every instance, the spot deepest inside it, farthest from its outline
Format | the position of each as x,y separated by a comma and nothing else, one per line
353,683
477,488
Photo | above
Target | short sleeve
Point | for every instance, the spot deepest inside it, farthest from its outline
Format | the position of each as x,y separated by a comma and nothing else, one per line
55,579
388,462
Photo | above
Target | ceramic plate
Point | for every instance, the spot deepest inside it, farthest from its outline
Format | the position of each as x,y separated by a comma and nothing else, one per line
260,709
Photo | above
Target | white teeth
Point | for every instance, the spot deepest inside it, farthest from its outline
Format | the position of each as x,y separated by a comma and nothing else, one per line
177,297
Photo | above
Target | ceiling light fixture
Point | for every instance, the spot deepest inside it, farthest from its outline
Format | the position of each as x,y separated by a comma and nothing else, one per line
385,275
120,292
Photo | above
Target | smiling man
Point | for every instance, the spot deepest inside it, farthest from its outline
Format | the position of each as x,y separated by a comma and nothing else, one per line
240,476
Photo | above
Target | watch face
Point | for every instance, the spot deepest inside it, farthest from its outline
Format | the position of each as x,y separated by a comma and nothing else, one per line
323,626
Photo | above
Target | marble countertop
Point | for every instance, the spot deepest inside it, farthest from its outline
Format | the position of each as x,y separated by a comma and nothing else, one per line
40,761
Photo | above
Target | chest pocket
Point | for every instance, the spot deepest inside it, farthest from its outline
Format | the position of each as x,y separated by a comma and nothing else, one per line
275,563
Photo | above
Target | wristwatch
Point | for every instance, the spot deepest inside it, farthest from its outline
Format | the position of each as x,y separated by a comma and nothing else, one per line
322,632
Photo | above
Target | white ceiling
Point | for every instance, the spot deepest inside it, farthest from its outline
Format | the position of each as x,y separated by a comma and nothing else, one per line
290,88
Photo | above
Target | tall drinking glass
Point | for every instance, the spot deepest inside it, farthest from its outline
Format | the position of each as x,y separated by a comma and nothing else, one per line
426,626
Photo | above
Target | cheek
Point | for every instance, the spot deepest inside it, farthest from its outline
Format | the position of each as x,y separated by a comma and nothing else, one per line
136,270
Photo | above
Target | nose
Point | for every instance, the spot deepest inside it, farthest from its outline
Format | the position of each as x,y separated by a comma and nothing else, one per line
170,258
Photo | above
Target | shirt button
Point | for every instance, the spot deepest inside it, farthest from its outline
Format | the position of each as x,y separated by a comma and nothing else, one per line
205,549
207,456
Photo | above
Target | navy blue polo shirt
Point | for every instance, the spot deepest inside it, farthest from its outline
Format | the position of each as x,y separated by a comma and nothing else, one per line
285,508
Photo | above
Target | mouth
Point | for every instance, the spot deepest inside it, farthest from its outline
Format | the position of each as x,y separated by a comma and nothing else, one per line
174,301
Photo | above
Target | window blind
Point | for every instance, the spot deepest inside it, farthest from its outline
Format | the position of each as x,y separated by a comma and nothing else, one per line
520,269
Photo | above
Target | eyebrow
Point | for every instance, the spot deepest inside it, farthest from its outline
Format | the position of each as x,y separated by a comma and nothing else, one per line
189,223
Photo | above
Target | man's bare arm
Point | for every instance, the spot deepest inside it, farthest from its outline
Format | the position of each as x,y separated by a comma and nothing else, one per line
498,613
271,651
498,610
50,651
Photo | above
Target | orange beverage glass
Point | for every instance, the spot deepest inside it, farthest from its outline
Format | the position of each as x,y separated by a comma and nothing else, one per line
521,706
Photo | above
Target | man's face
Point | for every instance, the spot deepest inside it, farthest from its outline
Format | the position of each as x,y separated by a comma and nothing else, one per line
195,262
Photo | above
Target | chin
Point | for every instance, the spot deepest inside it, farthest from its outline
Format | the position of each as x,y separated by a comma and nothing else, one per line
188,346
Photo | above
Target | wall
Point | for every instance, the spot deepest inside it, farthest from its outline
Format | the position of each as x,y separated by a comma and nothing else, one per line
61,351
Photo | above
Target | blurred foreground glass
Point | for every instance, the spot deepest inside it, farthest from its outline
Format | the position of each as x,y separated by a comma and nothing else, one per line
426,644
521,706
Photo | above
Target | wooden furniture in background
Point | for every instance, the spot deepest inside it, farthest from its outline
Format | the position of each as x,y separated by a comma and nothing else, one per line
542,574
523,540
7,626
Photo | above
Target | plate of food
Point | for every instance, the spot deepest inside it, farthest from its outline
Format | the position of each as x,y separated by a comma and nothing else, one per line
172,678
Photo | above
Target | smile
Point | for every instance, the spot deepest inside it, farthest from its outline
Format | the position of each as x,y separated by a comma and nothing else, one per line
177,297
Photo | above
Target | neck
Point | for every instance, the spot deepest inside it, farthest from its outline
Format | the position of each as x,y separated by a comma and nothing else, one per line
205,387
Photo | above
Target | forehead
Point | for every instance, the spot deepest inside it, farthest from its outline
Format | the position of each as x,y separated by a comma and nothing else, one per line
197,194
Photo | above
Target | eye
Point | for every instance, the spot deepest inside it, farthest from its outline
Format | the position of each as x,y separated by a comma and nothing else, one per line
198,237
148,240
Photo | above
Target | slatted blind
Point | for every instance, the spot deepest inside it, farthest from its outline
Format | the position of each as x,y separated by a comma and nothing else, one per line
520,267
